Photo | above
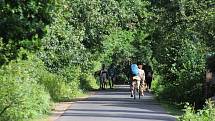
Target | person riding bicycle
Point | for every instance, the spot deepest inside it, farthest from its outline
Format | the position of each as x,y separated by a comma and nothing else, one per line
142,77
134,77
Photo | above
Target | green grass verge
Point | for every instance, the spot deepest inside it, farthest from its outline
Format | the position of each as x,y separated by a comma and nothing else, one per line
172,109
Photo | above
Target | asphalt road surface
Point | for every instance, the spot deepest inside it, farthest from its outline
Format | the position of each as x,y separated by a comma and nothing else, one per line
116,105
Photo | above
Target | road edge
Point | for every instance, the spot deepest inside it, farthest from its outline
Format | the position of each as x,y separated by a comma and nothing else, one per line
60,107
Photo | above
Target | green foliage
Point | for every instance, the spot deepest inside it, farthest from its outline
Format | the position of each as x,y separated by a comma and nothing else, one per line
179,47
57,85
96,18
61,86
88,82
122,79
72,38
72,76
22,98
156,85
62,43
21,24
142,46
117,45
21,103
23,19
206,114
183,69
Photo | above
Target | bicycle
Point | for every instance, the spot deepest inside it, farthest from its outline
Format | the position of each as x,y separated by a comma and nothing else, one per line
135,83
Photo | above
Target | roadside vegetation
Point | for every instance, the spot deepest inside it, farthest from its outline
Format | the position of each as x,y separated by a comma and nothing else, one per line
51,49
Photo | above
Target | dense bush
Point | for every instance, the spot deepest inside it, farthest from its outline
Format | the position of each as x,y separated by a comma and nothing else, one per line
88,81
179,47
206,114
61,86
22,98
21,23
182,70
21,103
88,77
57,86
72,38
72,75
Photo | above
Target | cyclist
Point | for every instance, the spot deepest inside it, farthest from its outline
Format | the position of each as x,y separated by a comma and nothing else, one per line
134,77
142,77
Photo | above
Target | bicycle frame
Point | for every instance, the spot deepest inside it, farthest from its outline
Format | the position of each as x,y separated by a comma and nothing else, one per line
136,88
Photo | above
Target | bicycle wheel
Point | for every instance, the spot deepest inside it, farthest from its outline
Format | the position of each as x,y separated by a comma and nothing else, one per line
135,90
139,92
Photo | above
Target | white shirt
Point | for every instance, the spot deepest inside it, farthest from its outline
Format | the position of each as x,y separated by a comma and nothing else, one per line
142,74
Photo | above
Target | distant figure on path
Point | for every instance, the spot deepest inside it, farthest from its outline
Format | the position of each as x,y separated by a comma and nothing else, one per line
148,76
112,75
103,77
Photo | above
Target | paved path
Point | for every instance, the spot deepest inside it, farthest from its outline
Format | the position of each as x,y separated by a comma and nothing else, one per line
116,105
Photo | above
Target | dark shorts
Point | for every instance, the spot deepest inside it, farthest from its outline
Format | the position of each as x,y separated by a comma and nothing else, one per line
148,79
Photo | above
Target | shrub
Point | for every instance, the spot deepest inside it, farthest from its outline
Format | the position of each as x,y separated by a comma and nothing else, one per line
22,98
156,86
71,80
62,86
181,69
88,82
206,114
56,86
121,79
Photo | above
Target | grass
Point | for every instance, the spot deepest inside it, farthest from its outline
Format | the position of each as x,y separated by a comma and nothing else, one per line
81,96
172,109
42,118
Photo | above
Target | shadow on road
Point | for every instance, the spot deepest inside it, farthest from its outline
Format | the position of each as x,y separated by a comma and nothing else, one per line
130,116
116,104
